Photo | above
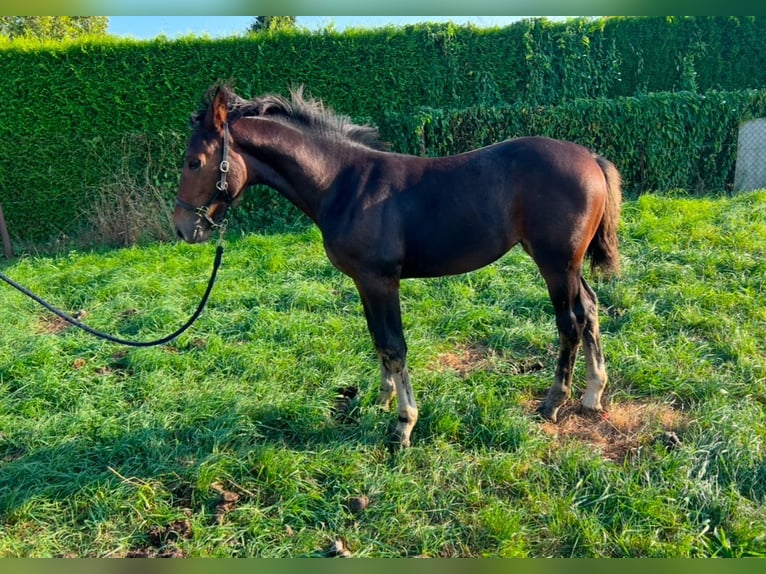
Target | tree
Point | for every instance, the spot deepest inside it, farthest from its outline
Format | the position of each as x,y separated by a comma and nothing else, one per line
263,23
52,27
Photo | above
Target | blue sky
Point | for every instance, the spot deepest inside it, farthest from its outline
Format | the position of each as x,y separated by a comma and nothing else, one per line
146,27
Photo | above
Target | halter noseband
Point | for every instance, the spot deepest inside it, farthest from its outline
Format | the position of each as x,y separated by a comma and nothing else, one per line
221,186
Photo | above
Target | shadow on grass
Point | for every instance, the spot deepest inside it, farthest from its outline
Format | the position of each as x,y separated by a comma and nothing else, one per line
33,472
166,473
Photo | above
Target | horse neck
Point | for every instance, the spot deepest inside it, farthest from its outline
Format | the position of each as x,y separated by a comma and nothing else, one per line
287,160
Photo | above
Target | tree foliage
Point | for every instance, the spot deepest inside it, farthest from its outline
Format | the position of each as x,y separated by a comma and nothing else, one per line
264,23
52,27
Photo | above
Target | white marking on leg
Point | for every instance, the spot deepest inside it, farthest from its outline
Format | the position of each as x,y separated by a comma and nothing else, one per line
595,370
387,387
591,398
407,409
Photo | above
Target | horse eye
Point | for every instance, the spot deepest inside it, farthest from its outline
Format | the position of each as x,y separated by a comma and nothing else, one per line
195,164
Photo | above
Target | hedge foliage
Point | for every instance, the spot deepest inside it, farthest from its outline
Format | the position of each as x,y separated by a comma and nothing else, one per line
659,141
74,111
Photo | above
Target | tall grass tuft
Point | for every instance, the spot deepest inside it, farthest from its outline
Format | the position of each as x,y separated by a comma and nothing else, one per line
130,207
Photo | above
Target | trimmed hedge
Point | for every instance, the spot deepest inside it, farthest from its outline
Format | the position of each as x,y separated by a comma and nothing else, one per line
658,141
73,111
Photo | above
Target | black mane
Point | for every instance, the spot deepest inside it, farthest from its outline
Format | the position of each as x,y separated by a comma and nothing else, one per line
306,114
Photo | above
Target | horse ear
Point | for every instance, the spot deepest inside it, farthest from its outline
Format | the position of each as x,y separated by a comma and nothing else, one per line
218,111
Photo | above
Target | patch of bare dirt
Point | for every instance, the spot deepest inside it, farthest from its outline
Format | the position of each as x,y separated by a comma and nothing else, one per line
163,541
467,359
226,502
53,324
118,364
621,430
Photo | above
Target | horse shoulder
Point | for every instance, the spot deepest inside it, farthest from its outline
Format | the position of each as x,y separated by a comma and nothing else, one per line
360,222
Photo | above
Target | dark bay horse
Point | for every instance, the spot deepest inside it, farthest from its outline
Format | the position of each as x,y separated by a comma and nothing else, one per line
386,216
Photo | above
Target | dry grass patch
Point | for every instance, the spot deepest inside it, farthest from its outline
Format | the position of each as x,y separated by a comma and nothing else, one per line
50,324
129,206
621,430
617,433
467,359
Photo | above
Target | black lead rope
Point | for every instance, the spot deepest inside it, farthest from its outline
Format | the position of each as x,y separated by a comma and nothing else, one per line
99,334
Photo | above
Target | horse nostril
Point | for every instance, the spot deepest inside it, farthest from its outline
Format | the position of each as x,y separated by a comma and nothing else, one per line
179,234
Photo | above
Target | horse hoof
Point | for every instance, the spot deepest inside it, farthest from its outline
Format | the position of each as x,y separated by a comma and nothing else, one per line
548,413
597,412
394,445
394,441
401,441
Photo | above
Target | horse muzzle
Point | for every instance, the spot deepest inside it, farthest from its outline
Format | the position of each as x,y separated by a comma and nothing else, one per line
192,227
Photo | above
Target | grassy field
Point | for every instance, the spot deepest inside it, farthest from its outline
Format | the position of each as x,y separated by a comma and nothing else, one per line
256,434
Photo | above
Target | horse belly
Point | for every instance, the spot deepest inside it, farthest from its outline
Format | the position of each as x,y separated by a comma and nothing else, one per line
453,254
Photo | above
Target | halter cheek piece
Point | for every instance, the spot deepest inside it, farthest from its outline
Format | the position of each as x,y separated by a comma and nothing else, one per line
221,187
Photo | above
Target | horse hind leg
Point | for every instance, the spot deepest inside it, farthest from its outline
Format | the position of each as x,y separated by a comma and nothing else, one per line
564,291
595,367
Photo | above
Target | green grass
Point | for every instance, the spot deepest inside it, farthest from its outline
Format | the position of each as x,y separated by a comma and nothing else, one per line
225,443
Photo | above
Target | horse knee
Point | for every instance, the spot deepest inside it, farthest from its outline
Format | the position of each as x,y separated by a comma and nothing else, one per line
393,356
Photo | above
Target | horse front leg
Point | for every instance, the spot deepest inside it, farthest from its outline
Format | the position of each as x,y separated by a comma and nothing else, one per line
380,298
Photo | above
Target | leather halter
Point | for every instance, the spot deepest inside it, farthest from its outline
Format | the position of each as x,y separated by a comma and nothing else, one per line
221,186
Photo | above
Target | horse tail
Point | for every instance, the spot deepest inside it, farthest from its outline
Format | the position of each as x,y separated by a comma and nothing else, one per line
602,250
